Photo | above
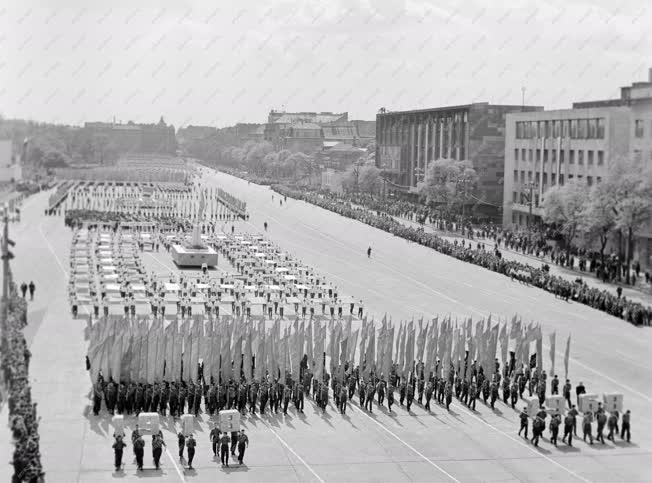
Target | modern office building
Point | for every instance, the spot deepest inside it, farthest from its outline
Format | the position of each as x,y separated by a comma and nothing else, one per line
546,148
407,141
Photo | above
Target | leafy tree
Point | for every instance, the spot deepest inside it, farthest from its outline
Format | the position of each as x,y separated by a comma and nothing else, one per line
448,182
599,215
369,179
563,206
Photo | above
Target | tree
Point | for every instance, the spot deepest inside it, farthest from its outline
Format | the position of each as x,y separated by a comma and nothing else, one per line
599,215
369,179
255,155
448,182
631,181
563,206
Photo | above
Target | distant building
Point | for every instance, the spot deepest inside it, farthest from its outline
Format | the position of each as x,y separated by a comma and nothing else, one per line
340,156
407,141
546,148
10,167
136,138
311,132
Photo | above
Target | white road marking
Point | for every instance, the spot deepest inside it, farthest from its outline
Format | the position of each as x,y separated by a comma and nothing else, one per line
531,448
407,445
291,450
176,466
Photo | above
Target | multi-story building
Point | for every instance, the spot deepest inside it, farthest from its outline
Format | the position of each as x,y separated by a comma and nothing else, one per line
546,148
407,141
136,138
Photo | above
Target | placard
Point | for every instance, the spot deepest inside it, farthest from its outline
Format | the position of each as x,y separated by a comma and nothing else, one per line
149,422
187,424
613,402
588,402
230,420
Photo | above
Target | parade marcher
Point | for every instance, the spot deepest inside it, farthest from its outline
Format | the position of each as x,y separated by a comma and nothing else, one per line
224,449
191,444
587,430
569,424
625,428
574,413
243,443
555,421
601,418
157,449
612,424
524,422
139,451
214,438
554,386
182,443
118,448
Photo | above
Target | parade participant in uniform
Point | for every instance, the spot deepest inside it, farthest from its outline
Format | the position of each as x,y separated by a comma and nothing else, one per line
165,395
182,443
390,396
449,394
524,422
554,386
198,394
362,391
555,421
538,426
118,448
473,395
625,428
264,390
287,395
191,444
224,449
139,451
587,430
243,443
513,392
601,418
429,391
569,424
402,391
494,393
174,399
157,448
574,413
214,438
97,398
410,394
343,400
612,423
380,390
369,398
505,388
323,397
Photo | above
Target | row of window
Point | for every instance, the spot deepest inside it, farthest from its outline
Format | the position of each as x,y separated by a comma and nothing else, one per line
568,128
639,128
592,156
535,177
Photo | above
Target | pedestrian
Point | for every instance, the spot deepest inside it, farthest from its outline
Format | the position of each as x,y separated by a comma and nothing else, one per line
32,288
625,429
23,288
602,421
118,448
554,428
579,390
569,424
587,430
243,443
224,449
191,443
139,450
524,421
182,443
157,449
369,252
214,438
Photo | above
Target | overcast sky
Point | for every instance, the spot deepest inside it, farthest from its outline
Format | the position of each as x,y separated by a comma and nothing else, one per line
221,62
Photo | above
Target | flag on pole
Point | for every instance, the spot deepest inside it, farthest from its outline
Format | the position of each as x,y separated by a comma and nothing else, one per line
567,356
553,337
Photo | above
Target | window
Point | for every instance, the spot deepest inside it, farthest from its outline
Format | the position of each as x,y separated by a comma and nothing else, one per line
540,129
600,158
580,156
571,157
522,177
529,154
589,180
573,129
514,196
553,179
545,180
637,154
589,157
564,129
546,125
554,156
515,176
556,128
529,176
592,129
537,179
515,154
598,179
514,217
561,179
519,130
545,155
538,155
561,156
523,154
638,128
582,128
599,128
579,176
570,177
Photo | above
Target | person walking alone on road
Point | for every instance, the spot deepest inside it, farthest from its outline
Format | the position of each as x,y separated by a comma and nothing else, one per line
369,252
23,288
32,287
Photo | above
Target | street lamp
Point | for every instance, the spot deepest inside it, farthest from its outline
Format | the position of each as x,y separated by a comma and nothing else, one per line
530,186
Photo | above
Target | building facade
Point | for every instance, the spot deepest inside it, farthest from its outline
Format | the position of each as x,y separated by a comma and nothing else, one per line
136,138
543,149
407,141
